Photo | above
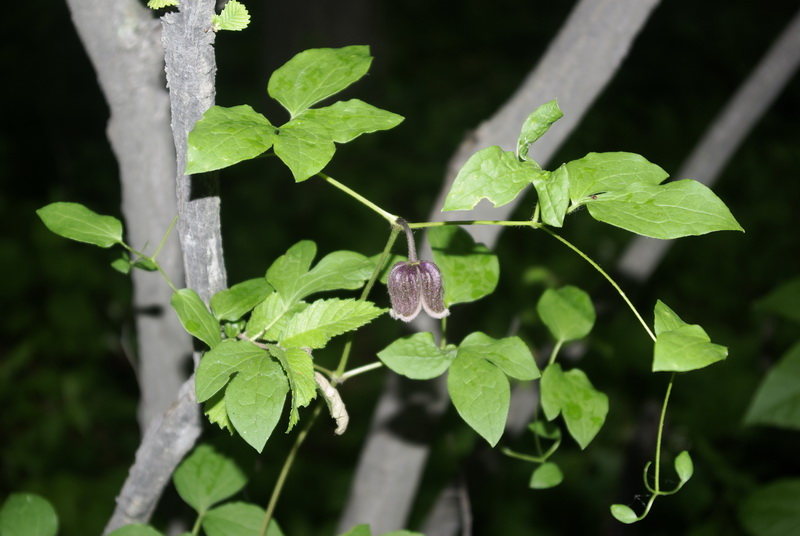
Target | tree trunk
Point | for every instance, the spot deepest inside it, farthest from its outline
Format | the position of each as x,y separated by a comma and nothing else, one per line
576,67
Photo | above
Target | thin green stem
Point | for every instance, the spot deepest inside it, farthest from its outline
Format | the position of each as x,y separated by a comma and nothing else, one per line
287,465
554,353
604,274
524,457
197,524
503,223
657,471
443,342
358,370
391,218
164,239
364,293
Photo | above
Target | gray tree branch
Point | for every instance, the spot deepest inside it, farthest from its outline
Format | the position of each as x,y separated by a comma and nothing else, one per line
724,136
576,67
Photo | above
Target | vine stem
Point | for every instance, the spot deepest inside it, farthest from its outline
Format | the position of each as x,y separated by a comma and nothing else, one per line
391,218
657,470
604,274
358,370
287,465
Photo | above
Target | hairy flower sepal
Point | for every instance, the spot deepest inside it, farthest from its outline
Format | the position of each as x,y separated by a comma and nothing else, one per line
413,286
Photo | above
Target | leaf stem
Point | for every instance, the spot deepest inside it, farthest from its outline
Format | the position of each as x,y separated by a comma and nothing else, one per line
358,370
554,353
657,471
276,491
391,218
604,274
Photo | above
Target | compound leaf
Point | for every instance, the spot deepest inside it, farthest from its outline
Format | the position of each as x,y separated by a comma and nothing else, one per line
305,147
234,16
227,136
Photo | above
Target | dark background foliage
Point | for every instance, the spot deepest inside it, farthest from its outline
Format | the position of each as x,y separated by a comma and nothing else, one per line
67,387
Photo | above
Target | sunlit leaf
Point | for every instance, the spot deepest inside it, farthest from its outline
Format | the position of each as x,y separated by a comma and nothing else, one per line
76,222
195,316
417,356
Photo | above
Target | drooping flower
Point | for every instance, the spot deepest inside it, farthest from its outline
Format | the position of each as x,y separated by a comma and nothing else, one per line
415,285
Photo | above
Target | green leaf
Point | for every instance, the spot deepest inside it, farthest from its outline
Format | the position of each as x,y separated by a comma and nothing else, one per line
783,301
305,147
269,317
771,510
27,514
338,270
684,467
548,475
217,412
672,210
545,429
777,399
255,398
624,514
417,357
299,368
480,393
237,519
324,319
596,173
403,533
469,270
316,74
666,319
536,125
509,354
234,16
233,303
221,362
122,264
195,317
76,222
553,192
685,348
358,530
143,263
207,477
287,269
567,312
490,173
347,120
571,394
227,136
136,529
159,4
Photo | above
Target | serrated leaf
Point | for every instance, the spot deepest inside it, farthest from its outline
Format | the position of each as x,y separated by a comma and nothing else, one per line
777,399
624,514
255,398
536,125
552,190
685,348
671,210
490,173
207,477
509,354
771,510
324,319
347,120
299,368
27,514
596,173
684,467
567,312
227,136
546,476
76,222
572,395
160,4
233,303
135,529
316,74
417,357
305,147
221,362
236,519
234,16
217,413
269,317
480,393
195,316
469,270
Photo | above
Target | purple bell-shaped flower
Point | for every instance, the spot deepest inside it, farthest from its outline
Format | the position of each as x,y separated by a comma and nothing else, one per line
415,285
